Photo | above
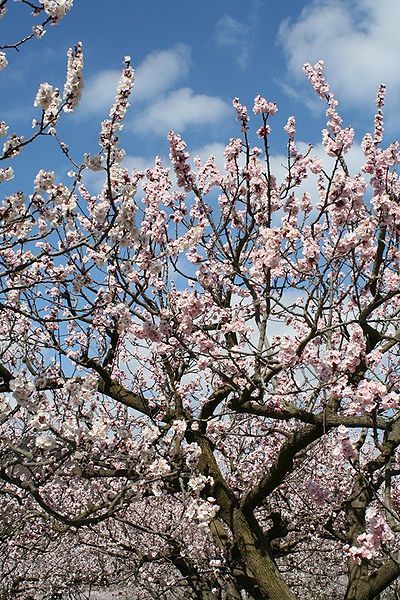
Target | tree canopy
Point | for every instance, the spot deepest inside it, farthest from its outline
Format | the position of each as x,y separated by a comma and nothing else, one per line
199,376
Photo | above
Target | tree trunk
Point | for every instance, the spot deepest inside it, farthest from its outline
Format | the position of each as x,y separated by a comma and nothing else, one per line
260,564
246,533
368,586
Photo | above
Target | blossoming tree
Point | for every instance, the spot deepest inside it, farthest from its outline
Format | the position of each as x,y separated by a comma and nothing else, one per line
200,367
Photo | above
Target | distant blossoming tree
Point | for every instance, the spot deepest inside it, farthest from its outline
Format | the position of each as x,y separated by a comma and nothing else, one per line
199,376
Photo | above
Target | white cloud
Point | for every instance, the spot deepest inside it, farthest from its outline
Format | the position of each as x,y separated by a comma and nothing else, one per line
358,39
179,110
99,92
158,72
233,34
160,106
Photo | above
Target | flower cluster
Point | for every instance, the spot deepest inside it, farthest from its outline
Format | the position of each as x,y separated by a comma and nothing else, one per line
343,446
110,127
367,395
45,96
315,75
241,114
377,534
337,140
190,239
6,174
22,388
74,81
290,127
202,511
44,181
3,128
12,146
38,31
3,61
262,106
179,158
124,88
378,119
57,9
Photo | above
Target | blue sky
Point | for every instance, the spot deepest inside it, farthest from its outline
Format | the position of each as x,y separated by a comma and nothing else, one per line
193,57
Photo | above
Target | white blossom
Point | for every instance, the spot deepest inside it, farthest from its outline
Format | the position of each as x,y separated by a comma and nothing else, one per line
44,441
44,180
11,146
6,174
81,390
40,421
99,430
121,314
198,482
202,511
192,453
38,31
71,430
150,433
22,388
74,82
110,127
179,426
3,128
4,405
215,563
45,96
160,467
190,239
3,61
124,89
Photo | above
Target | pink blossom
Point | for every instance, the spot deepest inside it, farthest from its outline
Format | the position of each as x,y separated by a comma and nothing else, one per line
315,76
241,114
378,119
290,127
376,535
179,158
343,446
261,106
339,145
367,394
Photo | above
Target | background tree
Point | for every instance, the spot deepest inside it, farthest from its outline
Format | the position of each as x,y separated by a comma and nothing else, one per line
200,369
